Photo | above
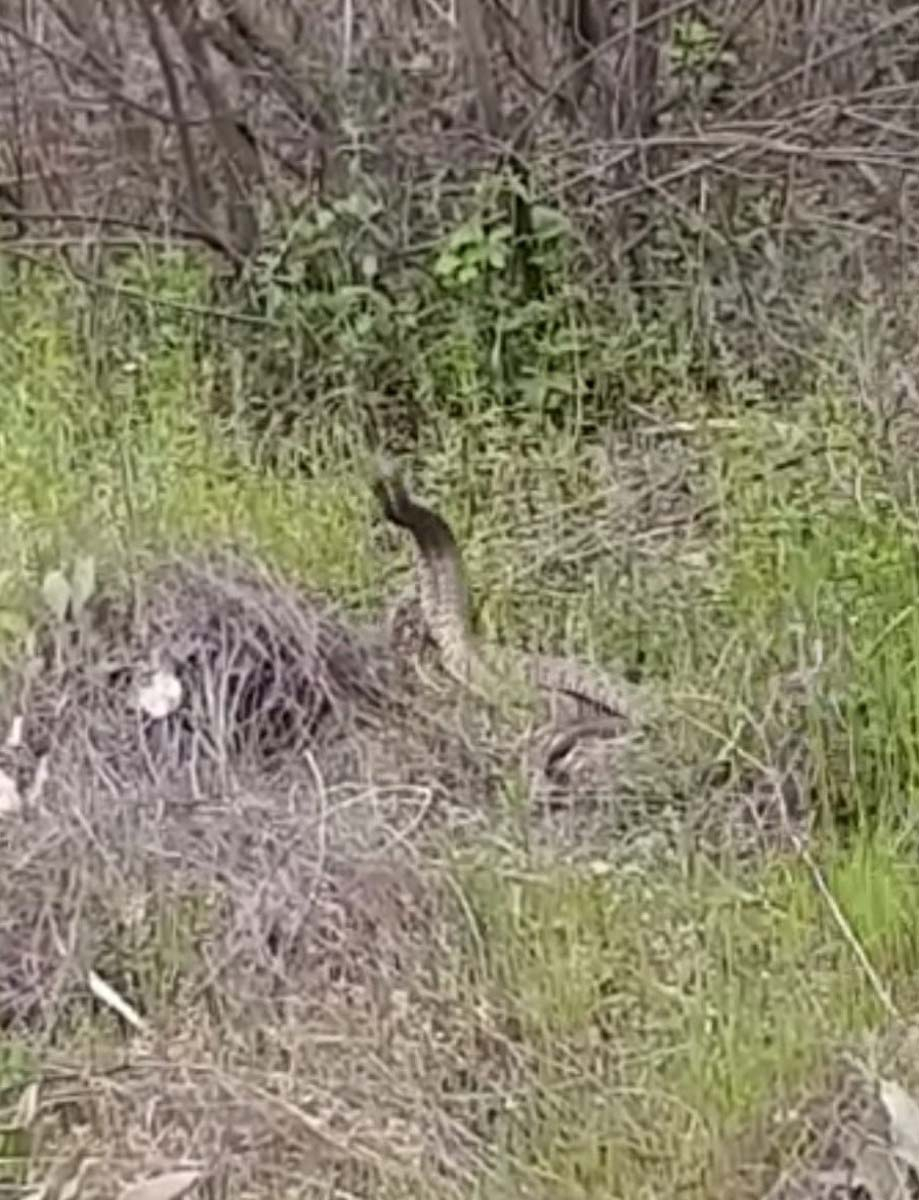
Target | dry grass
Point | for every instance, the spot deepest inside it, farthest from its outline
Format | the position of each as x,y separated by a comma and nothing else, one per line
269,877
255,874
363,963
297,737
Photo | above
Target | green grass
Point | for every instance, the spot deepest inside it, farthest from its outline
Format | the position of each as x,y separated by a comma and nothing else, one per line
662,1016
655,1019
107,464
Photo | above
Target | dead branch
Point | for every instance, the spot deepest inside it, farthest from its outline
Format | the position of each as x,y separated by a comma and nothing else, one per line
472,25
201,210
239,159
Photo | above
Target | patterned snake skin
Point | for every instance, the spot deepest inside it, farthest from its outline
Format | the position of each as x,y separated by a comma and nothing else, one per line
444,599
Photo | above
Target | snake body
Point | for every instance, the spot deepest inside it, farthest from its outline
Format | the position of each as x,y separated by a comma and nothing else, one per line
444,596
442,588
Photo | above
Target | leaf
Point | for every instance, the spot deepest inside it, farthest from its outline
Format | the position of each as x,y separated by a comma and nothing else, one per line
446,263
550,222
324,219
13,624
39,779
27,1106
10,800
903,1113
55,592
497,256
107,995
170,1186
161,696
83,583
470,234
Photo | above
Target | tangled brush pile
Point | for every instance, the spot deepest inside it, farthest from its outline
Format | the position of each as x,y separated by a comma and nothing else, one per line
210,665
226,745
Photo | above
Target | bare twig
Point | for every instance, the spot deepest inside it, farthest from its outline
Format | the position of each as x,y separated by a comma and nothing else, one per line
200,206
239,156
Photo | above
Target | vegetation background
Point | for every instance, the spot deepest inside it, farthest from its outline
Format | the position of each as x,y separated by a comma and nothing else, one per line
632,287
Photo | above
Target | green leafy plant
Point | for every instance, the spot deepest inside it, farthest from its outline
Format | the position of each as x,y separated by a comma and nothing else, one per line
695,48
472,251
